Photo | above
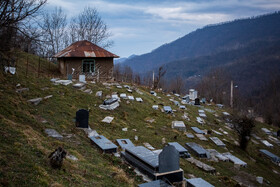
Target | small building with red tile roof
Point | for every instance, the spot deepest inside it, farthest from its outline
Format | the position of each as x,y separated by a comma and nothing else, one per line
86,58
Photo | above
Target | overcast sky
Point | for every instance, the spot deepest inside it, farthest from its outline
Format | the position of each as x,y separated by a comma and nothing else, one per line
139,26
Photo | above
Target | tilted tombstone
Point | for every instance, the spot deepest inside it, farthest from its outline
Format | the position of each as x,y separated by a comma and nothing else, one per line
196,101
168,159
110,101
82,116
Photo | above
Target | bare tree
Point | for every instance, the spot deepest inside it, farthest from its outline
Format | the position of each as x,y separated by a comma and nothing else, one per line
243,126
54,25
127,74
161,73
117,72
137,79
216,85
177,85
14,16
88,25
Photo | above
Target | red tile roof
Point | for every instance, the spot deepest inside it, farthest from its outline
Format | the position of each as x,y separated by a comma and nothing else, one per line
84,49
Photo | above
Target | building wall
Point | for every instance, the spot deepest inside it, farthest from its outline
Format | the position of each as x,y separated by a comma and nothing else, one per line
103,68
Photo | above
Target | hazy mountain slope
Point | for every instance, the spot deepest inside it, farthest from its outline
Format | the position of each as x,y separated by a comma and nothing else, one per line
210,40
249,66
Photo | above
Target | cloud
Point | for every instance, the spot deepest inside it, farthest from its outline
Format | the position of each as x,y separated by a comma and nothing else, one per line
140,26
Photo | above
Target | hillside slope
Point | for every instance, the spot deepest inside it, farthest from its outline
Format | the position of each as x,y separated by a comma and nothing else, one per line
210,40
24,145
249,67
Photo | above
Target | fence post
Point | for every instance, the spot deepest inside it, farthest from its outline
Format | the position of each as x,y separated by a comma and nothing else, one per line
27,61
39,67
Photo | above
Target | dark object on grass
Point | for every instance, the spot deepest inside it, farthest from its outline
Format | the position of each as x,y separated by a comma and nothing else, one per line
56,158
196,101
82,116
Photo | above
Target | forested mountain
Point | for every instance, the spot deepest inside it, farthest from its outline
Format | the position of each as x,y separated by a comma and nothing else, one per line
211,40
250,66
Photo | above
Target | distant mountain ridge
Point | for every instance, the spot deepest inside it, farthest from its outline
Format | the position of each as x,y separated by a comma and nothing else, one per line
121,60
211,40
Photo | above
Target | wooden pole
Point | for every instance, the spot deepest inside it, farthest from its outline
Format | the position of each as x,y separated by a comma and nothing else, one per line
231,94
27,61
39,67
49,67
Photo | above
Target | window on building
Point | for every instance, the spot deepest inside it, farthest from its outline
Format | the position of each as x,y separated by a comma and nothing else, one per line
88,66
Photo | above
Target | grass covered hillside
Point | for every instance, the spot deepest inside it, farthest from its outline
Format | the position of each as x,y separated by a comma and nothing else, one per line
25,147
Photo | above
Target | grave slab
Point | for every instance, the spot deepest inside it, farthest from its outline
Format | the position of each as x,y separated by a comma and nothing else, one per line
266,130
63,82
182,107
148,162
20,90
197,130
123,96
216,132
226,113
235,160
203,115
108,119
149,146
183,152
48,96
266,143
35,101
198,182
214,153
201,137
79,85
201,165
270,155
198,150
200,120
104,144
124,143
217,141
190,135
138,99
156,183
109,104
98,94
53,133
178,125
130,97
167,109
155,107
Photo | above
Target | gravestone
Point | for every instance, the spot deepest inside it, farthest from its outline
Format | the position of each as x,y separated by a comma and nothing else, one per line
169,159
156,183
203,100
198,182
167,109
110,101
183,152
82,116
69,77
53,133
196,101
124,143
82,78
35,101
104,144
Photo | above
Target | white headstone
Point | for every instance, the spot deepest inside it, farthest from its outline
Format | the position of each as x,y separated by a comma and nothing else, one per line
82,78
